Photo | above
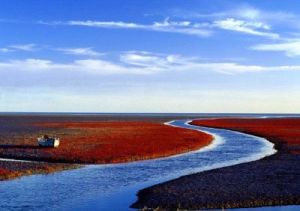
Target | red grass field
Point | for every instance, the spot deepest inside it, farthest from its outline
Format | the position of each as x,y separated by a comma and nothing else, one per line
112,142
107,142
7,174
280,131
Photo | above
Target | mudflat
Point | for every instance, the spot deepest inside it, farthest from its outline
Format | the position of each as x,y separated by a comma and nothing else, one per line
274,180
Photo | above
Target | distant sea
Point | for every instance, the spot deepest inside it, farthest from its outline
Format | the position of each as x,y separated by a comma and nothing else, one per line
261,115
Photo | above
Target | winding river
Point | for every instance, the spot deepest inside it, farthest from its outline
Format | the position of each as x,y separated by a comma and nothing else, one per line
113,186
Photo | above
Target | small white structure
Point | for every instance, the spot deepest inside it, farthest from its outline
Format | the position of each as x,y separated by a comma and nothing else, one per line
46,141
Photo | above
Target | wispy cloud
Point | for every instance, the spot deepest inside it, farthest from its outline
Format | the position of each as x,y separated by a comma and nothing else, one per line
5,50
24,47
142,63
80,51
255,14
182,27
88,51
203,29
88,66
20,47
235,68
290,48
244,12
253,28
148,59
245,18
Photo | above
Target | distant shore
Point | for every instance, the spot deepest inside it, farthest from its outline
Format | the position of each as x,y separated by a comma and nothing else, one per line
89,140
271,181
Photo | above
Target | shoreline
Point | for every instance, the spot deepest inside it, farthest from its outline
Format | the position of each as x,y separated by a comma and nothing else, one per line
266,182
13,169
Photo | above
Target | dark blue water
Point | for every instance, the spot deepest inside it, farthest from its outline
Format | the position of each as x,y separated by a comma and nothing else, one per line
113,187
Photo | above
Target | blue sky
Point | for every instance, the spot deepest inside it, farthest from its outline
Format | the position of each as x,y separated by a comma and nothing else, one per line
150,56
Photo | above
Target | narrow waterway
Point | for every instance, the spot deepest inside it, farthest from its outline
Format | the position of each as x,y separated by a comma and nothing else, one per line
113,187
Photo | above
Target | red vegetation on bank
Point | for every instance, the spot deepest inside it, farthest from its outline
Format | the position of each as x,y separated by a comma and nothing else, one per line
10,170
4,171
281,131
110,142
8,174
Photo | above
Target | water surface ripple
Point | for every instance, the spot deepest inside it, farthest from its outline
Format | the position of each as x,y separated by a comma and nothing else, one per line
113,187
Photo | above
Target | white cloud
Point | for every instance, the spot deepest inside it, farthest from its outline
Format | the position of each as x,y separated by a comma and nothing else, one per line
137,63
147,59
24,47
89,66
158,99
5,50
162,63
186,27
291,48
252,28
88,51
252,13
234,68
105,24
183,27
244,12
140,58
248,13
80,51
247,19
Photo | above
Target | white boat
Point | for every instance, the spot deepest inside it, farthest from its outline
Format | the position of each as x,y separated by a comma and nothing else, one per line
46,141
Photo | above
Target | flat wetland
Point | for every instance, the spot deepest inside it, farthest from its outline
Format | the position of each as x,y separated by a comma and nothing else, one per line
118,138
274,180
89,139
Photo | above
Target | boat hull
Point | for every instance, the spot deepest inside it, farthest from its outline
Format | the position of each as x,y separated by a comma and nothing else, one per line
48,143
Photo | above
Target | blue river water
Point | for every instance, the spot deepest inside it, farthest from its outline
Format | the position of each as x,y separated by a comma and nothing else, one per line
114,186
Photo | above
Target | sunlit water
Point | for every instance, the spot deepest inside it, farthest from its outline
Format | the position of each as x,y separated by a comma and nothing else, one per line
113,187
